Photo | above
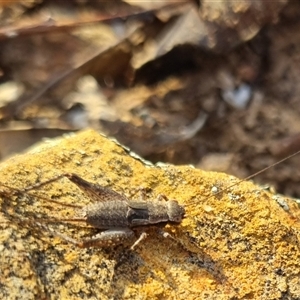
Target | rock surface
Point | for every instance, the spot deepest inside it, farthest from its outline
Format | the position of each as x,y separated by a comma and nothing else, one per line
236,244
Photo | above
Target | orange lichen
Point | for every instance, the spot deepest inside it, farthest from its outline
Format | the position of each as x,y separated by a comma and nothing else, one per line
236,244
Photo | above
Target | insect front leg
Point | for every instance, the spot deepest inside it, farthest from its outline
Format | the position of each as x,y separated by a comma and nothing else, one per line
162,197
141,192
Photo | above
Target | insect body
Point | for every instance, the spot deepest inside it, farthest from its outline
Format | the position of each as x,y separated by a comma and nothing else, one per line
115,214
120,213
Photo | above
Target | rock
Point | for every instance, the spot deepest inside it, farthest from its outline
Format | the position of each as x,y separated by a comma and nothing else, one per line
236,244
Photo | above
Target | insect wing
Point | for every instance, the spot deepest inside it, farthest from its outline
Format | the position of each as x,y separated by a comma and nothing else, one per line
138,213
94,191
99,193
138,205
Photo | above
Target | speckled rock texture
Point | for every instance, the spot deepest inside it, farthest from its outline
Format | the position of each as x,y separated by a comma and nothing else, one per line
242,243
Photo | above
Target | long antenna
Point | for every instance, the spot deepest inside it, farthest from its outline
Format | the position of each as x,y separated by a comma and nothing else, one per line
255,174
271,166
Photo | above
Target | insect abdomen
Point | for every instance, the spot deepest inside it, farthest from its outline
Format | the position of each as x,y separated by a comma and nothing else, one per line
108,214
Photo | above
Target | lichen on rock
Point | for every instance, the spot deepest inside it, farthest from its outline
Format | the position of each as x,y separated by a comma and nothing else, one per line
238,243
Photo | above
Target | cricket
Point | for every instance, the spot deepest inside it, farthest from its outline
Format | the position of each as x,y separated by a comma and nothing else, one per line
114,214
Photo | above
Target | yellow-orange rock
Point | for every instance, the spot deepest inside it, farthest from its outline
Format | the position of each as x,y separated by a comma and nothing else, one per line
237,244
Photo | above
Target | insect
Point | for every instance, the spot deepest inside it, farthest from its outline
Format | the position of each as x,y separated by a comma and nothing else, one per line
115,214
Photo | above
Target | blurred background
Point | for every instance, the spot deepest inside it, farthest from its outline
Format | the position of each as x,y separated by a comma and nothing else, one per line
215,84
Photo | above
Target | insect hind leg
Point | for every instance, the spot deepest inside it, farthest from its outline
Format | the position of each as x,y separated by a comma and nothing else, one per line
105,238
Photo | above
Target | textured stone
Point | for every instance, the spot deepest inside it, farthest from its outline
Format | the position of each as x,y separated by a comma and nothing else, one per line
237,244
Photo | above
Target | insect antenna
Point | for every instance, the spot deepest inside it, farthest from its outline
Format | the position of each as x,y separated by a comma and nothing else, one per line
252,175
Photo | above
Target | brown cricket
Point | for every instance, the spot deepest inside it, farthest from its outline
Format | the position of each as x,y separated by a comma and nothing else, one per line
115,214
